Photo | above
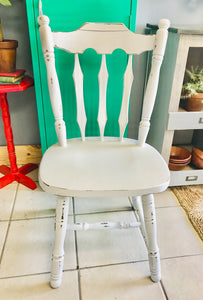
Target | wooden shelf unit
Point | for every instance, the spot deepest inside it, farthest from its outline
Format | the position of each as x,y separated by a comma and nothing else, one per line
168,116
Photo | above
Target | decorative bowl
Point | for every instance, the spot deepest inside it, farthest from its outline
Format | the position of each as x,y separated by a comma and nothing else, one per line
197,158
179,158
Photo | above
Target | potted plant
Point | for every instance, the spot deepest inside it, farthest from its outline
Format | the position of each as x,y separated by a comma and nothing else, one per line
193,89
7,49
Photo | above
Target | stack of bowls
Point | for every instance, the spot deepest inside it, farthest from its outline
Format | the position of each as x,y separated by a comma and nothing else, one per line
197,158
179,158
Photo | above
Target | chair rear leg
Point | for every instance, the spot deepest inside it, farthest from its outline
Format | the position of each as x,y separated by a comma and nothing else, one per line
151,230
137,205
60,233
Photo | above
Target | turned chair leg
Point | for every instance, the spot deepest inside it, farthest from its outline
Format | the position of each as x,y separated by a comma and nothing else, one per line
150,225
138,208
60,233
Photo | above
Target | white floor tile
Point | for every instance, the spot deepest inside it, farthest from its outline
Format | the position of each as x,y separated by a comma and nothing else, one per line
34,204
166,199
92,205
120,282
29,247
176,236
7,196
183,277
101,247
3,230
36,287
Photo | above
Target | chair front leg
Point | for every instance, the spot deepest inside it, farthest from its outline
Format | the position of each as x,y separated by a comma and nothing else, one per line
60,233
151,230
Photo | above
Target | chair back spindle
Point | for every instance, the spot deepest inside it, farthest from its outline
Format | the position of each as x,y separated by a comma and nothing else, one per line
104,39
78,79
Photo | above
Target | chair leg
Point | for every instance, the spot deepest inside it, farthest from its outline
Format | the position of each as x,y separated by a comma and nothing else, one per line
60,233
137,205
150,225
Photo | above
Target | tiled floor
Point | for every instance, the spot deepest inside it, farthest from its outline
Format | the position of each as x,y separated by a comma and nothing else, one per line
104,265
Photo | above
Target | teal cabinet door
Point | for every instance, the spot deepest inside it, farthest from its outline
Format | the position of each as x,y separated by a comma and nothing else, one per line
68,15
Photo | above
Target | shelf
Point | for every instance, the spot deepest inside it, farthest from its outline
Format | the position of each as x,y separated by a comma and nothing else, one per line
185,120
188,176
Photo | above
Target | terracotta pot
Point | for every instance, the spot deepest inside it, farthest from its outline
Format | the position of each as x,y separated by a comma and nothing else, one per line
195,102
8,56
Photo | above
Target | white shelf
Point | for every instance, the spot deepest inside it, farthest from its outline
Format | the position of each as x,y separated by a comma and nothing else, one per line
185,120
187,176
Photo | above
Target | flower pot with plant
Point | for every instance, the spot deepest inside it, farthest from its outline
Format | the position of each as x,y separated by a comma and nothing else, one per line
7,49
193,89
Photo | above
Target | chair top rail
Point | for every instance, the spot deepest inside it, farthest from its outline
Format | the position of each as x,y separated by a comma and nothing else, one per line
104,38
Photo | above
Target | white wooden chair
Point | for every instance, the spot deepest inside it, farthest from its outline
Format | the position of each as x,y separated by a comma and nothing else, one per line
103,166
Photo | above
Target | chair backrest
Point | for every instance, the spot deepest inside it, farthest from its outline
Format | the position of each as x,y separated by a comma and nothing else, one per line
104,38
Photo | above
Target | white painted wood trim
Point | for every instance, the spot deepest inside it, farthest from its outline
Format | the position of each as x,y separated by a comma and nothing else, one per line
52,79
185,120
104,38
60,233
103,225
151,230
127,85
152,85
137,205
78,79
103,80
186,177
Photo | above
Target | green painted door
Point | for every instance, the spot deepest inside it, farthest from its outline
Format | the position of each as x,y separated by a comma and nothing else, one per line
67,17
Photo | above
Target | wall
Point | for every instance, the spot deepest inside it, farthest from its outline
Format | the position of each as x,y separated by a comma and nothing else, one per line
23,104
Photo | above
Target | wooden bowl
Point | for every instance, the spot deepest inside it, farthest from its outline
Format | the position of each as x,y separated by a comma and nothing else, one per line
177,167
197,158
180,155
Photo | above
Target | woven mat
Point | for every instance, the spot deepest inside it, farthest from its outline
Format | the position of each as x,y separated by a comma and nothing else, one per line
191,199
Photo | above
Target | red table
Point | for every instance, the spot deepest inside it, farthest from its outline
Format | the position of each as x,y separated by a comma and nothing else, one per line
14,173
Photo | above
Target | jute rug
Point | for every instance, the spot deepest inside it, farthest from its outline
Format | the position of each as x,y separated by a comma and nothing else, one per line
191,199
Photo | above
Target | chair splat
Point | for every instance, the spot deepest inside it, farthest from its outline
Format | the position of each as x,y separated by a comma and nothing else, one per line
78,79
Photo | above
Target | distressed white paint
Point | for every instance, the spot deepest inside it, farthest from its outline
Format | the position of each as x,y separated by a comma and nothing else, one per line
78,79
104,38
52,79
150,225
108,167
60,233
127,84
103,79
152,85
103,225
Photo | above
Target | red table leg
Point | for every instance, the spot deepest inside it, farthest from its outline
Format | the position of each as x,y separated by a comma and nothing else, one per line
13,173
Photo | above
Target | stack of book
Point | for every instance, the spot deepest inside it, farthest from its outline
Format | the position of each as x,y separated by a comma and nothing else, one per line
12,78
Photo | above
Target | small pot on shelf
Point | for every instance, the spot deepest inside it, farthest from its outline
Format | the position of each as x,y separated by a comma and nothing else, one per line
194,102
8,56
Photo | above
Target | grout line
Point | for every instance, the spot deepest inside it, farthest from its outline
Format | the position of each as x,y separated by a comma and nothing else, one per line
164,290
9,224
98,266
76,251
104,212
33,274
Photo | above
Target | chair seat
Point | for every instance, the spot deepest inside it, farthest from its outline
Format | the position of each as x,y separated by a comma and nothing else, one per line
103,168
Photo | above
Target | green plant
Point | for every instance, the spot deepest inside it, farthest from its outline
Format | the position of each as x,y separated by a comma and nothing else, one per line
5,3
194,82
